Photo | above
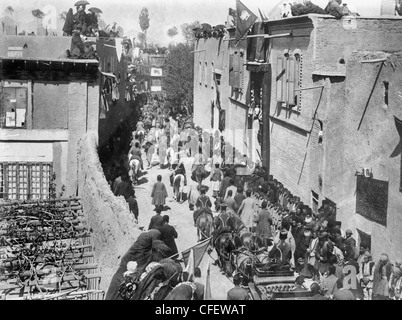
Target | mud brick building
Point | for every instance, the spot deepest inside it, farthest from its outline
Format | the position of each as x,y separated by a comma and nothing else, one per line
335,93
330,96
47,104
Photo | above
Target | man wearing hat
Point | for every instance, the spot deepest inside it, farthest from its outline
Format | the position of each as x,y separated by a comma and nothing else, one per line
203,200
349,243
264,221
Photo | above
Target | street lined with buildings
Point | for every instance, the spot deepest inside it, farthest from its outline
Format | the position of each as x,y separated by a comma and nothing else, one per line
263,153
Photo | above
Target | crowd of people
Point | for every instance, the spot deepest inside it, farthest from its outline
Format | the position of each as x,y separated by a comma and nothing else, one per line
316,246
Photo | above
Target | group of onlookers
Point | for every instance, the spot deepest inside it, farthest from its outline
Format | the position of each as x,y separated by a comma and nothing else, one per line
320,249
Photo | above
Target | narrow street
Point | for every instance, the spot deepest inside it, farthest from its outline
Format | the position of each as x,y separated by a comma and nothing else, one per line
182,219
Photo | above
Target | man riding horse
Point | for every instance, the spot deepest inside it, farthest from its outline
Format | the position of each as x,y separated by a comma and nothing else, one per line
203,218
223,239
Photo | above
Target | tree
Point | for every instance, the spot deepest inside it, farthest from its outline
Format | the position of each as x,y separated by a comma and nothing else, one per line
141,38
144,23
172,32
178,83
39,15
188,32
10,10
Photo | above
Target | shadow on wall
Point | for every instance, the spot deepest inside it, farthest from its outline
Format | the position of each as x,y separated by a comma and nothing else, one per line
108,216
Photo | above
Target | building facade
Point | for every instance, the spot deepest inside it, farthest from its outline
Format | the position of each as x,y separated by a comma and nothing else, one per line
47,104
222,92
333,111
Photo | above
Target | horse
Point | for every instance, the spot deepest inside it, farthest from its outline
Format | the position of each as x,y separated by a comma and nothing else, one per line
204,223
134,169
178,186
224,245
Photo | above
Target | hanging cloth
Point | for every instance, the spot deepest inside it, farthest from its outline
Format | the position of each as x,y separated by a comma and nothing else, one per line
119,48
115,90
127,93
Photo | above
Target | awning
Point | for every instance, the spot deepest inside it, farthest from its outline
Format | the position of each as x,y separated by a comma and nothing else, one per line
106,74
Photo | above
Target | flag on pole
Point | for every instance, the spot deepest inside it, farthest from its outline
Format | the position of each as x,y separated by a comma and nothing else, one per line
196,252
398,149
207,287
245,20
190,265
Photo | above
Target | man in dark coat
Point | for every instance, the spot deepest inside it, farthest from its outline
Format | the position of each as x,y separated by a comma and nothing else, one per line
157,220
123,188
132,204
239,197
68,23
203,200
349,244
141,252
224,185
77,46
169,233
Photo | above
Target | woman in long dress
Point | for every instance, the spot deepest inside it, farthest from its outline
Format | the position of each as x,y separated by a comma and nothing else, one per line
159,193
247,209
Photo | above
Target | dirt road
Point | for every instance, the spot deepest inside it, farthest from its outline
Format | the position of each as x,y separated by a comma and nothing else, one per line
182,219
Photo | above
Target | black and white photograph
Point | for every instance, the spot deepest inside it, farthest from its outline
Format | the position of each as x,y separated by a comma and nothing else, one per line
222,150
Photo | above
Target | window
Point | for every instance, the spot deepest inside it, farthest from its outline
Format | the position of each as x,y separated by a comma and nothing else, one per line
236,70
206,74
288,80
200,71
212,75
23,181
314,201
15,52
13,107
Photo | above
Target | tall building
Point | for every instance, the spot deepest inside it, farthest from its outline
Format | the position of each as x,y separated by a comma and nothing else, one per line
222,92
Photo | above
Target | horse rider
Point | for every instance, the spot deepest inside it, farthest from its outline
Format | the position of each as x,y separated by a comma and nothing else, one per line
224,222
203,204
136,138
135,153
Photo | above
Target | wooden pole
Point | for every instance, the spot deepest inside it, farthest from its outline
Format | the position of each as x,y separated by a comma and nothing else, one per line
371,93
197,51
266,106
282,35
374,61
309,88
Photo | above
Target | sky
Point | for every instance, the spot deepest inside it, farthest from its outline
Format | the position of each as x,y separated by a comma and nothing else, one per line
164,14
